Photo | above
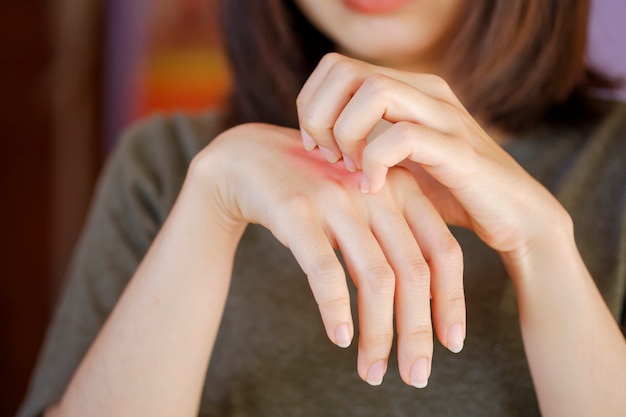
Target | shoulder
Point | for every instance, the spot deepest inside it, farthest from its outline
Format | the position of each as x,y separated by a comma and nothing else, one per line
599,147
595,170
606,148
166,139
144,173
612,127
151,158
136,191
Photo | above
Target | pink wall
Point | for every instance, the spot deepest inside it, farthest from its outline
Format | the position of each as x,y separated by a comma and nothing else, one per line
607,43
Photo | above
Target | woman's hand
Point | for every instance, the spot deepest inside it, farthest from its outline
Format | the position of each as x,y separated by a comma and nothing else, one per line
470,179
396,246
474,183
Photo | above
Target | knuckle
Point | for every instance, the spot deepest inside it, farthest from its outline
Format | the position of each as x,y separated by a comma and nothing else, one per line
309,120
343,68
325,269
456,118
297,205
456,298
343,200
335,303
418,274
450,249
403,131
377,84
346,203
439,82
330,58
294,209
379,340
342,133
419,332
381,278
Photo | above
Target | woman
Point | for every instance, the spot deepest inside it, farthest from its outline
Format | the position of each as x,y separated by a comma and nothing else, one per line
511,147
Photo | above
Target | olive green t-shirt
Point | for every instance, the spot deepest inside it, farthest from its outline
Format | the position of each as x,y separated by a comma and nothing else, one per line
272,357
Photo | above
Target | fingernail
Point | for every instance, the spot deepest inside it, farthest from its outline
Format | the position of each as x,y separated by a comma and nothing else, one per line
365,184
376,373
307,140
456,338
349,163
330,156
419,373
342,335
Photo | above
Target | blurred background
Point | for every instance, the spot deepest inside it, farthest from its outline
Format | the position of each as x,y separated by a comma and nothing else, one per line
73,75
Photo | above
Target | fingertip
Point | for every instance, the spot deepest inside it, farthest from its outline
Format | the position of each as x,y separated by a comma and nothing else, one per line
349,163
371,186
455,338
365,184
343,335
307,141
420,372
329,155
376,373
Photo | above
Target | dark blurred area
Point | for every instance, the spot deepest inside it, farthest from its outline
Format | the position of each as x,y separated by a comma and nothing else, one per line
73,75
48,165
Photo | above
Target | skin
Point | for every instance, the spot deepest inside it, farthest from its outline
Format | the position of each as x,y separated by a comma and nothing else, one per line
157,342
415,33
144,352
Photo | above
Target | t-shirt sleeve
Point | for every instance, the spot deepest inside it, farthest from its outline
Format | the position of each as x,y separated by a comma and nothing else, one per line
622,265
618,174
136,191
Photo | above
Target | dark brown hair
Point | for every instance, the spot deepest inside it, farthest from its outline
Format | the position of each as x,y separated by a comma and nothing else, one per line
516,63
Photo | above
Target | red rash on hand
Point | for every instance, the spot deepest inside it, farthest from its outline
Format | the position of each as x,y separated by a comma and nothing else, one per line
315,164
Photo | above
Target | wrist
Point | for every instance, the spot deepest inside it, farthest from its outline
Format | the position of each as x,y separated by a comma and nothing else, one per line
206,183
548,243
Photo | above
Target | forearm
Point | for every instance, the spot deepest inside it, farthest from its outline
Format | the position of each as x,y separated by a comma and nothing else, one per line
576,352
151,356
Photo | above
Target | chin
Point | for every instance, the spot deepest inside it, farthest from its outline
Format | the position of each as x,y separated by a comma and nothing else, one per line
387,32
393,54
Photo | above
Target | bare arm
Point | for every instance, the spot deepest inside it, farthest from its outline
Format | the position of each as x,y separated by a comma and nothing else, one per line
157,341
575,349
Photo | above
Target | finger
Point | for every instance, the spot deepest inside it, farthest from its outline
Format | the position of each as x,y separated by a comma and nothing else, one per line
310,86
323,105
382,97
332,84
445,260
442,155
316,257
430,84
315,79
375,281
412,296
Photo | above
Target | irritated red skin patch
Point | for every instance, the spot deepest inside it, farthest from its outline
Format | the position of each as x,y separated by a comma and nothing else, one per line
315,164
